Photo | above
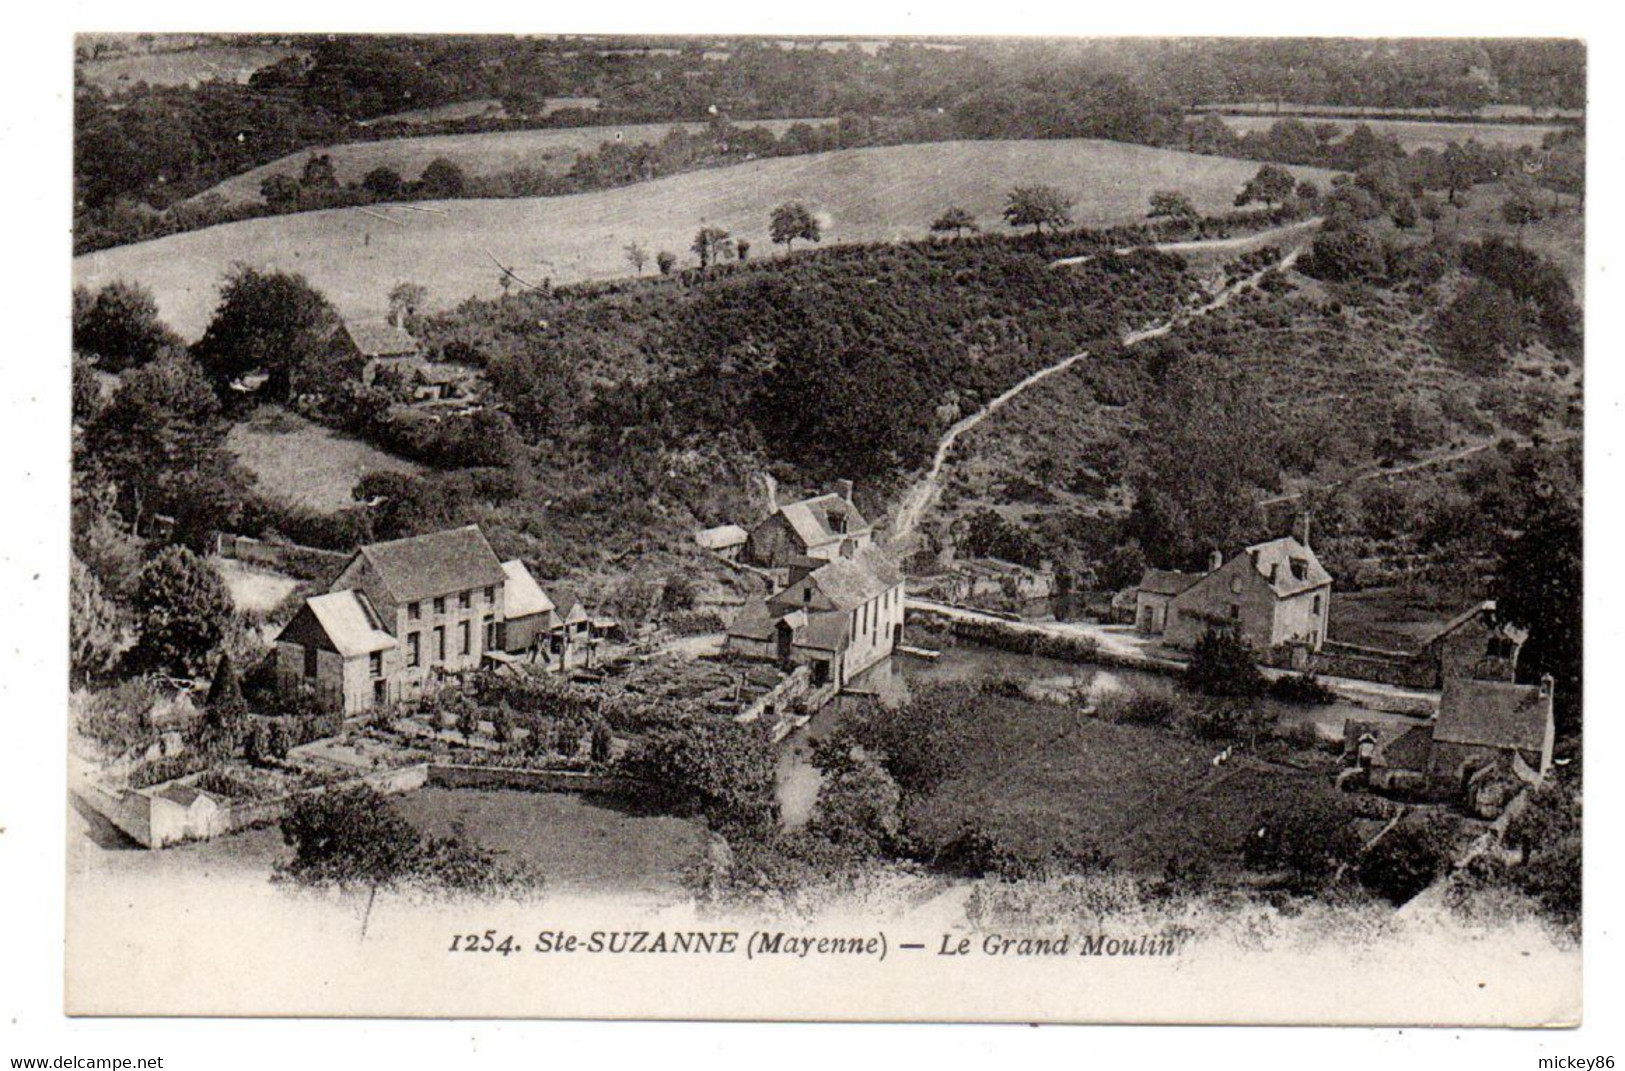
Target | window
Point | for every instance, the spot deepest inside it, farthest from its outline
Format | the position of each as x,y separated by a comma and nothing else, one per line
414,610
490,595
465,637
1235,611
1235,584
1317,606
489,632
464,599
414,652
310,661
440,605
440,643
375,663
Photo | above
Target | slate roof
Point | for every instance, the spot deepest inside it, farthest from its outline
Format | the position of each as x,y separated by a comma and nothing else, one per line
810,518
754,621
438,563
721,537
522,596
1281,553
826,631
380,338
1399,746
350,622
1167,581
1493,714
850,582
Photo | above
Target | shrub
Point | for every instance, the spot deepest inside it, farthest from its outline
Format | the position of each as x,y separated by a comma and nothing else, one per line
1302,688
719,769
1408,858
1309,840
1222,665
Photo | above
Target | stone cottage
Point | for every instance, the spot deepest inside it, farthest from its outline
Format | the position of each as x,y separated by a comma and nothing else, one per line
1272,594
822,527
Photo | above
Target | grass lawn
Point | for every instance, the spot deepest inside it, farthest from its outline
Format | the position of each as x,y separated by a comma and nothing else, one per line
1039,774
573,840
859,195
298,461
1386,617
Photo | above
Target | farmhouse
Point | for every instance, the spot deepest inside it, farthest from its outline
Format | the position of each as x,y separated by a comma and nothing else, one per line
402,615
374,345
838,617
821,527
1271,595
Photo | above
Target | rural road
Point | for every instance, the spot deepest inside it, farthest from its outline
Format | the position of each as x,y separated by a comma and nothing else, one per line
919,497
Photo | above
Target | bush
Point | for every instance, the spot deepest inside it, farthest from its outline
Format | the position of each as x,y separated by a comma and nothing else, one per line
722,770
1408,859
1140,709
1310,841
1222,665
1302,688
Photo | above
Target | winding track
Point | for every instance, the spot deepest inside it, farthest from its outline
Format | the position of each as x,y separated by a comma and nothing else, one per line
919,497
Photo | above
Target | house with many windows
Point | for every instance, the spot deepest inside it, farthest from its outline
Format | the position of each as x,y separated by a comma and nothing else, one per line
403,615
838,617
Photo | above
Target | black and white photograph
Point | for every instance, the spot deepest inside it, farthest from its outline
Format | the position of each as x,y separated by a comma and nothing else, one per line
969,528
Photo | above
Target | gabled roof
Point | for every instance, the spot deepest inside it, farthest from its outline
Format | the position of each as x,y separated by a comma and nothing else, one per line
1400,746
850,582
186,795
1167,581
521,595
721,537
810,518
350,623
438,563
754,621
1493,714
380,338
1283,553
826,631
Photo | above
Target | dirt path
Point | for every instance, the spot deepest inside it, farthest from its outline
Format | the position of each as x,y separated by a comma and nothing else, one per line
1416,466
1209,245
919,497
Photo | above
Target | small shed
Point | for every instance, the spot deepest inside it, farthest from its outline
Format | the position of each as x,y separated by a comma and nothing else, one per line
725,540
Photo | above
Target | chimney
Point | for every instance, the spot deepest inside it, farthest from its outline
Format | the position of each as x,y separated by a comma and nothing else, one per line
844,488
1546,686
1215,560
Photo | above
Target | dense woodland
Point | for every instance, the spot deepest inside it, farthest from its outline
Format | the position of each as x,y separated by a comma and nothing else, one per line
143,152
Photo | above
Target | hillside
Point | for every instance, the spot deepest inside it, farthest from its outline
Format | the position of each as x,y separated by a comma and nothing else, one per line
1413,134
553,151
877,194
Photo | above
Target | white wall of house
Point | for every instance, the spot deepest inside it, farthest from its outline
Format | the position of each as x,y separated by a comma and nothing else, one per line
876,627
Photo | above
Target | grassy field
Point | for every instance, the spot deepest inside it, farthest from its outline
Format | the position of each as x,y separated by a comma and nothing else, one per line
878,194
1041,774
254,588
573,841
1416,134
186,67
1393,618
477,154
298,461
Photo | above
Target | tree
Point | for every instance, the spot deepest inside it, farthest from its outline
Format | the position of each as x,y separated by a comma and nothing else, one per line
350,837
710,243
383,183
859,808
1481,326
1311,840
742,249
318,178
1407,858
96,625
1171,204
1272,185
637,256
720,769
442,179
1222,665
954,219
1539,587
406,300
1404,213
225,712
182,613
1520,209
274,322
665,261
119,326
793,220
540,389
280,191
1037,207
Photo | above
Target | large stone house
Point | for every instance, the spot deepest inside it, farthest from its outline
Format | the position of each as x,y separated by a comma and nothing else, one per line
1272,594
822,527
838,617
404,614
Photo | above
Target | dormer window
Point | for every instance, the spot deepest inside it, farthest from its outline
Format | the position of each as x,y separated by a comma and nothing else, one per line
414,610
1300,568
806,595
837,522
